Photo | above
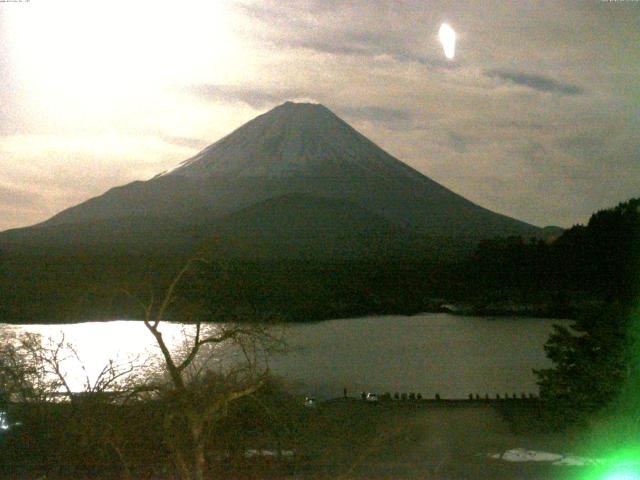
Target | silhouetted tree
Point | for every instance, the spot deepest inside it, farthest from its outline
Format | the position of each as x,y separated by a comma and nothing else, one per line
34,369
596,358
77,423
593,361
205,376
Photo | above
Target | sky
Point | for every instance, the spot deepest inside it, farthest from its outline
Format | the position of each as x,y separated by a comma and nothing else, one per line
537,116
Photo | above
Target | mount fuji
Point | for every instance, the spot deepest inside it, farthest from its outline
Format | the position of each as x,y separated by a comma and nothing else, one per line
295,198
296,171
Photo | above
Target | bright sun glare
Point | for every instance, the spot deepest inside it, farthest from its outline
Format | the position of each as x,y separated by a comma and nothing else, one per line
88,59
447,37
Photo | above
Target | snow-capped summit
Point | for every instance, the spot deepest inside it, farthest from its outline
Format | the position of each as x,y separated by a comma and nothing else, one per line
291,139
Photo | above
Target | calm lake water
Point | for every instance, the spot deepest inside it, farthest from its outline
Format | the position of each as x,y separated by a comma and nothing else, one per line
427,353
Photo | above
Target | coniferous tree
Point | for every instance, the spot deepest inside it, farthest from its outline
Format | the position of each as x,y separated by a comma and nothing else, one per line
590,365
596,360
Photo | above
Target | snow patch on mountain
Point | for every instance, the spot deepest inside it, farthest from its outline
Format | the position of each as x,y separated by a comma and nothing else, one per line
292,139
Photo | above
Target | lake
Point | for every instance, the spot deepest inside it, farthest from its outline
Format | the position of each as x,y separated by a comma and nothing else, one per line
427,353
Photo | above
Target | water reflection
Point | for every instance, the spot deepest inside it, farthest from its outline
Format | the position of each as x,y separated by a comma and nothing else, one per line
429,353
98,343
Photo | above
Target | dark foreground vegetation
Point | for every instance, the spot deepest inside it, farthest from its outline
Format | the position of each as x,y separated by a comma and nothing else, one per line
272,435
95,437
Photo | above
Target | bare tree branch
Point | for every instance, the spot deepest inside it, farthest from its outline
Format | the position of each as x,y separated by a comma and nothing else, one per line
169,296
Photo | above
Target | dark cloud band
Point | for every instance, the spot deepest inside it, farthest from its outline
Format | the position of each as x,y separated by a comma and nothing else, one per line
535,82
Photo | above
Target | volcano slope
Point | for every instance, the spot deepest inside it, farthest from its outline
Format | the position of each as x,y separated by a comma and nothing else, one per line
295,186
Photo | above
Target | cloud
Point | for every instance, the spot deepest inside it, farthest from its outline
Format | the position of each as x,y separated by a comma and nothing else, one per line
349,29
255,98
535,82
392,118
459,142
370,46
15,196
262,99
19,205
183,141
44,174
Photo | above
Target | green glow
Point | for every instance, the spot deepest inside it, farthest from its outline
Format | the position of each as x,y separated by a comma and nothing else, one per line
622,465
617,472
617,436
622,475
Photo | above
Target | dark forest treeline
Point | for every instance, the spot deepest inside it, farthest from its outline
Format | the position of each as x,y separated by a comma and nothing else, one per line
596,263
586,265
583,268
71,288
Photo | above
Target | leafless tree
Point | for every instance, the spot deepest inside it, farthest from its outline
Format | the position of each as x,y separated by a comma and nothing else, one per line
32,370
194,378
215,365
35,374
